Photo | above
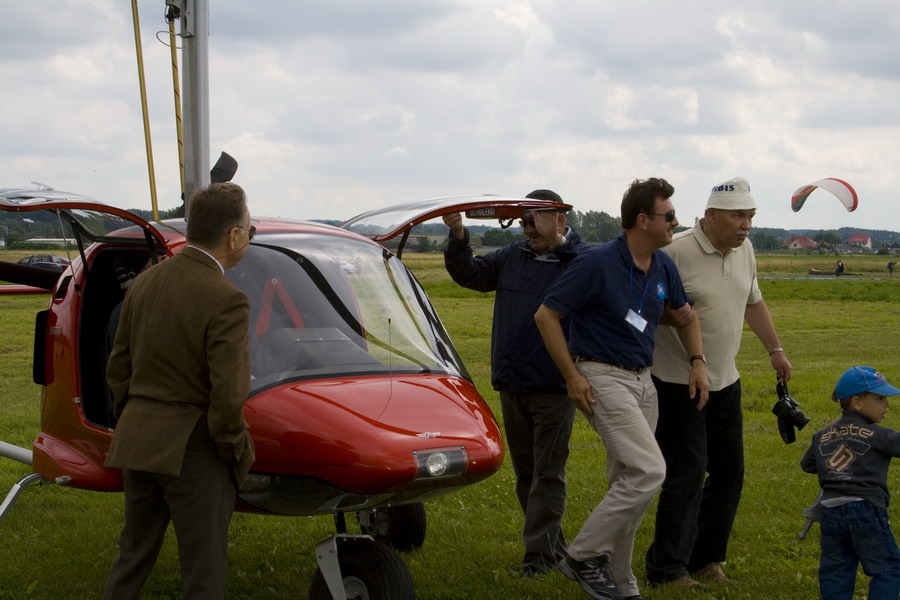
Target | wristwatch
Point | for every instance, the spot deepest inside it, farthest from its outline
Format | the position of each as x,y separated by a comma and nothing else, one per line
698,357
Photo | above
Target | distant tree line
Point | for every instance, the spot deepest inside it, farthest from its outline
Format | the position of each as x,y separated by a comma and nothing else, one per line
38,224
765,241
595,227
598,227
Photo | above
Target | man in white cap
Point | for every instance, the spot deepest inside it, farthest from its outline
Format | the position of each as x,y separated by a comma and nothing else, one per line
703,445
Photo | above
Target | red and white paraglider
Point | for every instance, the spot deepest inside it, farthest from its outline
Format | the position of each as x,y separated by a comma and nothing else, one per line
840,188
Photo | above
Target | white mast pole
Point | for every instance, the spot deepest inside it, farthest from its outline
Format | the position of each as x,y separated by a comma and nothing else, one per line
195,93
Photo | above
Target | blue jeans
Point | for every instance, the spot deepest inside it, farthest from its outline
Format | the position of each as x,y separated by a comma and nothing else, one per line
852,534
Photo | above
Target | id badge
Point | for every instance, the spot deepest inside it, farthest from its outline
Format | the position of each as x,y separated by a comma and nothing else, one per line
636,320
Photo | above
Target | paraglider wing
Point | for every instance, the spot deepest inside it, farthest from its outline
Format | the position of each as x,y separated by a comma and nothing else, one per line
843,190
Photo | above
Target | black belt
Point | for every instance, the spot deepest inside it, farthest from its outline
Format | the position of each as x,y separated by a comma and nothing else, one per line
579,359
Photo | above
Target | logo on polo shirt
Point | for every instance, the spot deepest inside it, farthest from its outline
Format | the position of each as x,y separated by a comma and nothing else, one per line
660,290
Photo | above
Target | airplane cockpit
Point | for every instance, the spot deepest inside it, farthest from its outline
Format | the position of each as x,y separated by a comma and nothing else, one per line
321,306
325,305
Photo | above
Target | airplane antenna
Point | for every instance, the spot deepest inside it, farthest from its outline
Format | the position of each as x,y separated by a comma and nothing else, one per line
149,146
390,361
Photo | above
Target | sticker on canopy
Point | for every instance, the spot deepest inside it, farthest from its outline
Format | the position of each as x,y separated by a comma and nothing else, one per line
481,213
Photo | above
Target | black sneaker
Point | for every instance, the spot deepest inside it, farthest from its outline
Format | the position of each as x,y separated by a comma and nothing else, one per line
593,576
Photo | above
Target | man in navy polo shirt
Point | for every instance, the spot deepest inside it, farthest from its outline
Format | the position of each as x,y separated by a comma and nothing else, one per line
615,296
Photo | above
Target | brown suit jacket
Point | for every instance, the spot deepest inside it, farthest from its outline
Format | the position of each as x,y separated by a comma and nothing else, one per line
180,354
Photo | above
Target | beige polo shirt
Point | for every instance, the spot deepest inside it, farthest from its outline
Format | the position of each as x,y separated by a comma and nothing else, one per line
721,287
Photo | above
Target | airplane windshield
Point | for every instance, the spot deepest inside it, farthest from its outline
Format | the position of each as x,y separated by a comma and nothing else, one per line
325,306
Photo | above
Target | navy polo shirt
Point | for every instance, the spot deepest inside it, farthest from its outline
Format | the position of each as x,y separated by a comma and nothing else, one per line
597,291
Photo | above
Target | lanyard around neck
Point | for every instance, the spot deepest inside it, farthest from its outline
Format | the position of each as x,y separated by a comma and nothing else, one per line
640,298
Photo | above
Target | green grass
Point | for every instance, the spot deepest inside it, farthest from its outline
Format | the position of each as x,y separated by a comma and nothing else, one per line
795,262
59,543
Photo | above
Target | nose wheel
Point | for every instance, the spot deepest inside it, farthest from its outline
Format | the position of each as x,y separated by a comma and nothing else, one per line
359,568
402,527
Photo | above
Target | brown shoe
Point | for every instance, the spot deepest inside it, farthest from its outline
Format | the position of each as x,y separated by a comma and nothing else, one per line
687,582
713,572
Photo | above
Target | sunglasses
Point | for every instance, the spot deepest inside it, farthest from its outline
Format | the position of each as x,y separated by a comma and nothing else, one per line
528,219
251,233
670,215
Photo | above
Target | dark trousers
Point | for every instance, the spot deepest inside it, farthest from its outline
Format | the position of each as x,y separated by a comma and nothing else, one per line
538,427
704,452
199,504
853,534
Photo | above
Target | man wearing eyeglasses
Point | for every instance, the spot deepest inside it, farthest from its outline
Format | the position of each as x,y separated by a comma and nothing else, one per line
696,512
180,374
537,414
615,295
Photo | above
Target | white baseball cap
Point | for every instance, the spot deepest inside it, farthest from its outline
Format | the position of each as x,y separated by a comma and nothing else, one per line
734,194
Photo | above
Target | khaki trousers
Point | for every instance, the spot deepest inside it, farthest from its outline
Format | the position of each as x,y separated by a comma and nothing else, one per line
625,415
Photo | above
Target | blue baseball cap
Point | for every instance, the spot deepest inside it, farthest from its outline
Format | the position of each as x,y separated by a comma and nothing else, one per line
858,380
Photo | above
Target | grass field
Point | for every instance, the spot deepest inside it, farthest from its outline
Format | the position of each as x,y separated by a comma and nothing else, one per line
59,543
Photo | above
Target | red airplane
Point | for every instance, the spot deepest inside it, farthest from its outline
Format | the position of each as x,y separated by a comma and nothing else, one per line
359,402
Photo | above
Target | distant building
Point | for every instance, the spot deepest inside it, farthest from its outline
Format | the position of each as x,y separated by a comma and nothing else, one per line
61,242
860,241
800,242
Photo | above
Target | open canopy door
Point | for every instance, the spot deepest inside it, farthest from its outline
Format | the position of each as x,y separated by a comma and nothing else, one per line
385,223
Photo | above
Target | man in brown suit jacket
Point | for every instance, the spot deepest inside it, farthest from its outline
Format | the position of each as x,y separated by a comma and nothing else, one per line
180,374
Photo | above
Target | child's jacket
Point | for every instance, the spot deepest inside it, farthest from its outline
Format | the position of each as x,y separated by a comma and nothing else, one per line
851,457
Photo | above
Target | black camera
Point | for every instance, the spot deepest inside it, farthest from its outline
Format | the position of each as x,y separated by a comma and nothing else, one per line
789,416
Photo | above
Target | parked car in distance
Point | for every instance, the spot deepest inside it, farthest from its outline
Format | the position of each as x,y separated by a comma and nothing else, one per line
45,261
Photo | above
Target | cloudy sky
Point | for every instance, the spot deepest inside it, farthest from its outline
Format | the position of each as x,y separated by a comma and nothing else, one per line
336,107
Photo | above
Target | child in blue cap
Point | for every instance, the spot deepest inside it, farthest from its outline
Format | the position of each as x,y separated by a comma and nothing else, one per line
851,457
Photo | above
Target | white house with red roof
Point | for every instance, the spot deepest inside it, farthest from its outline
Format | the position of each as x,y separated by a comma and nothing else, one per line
800,242
860,240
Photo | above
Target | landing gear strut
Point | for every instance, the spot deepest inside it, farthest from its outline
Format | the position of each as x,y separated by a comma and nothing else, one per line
356,567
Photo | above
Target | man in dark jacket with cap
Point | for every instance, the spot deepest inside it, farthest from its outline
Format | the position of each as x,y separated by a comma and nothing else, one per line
537,414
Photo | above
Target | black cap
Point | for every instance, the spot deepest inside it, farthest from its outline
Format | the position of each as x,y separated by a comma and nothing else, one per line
549,195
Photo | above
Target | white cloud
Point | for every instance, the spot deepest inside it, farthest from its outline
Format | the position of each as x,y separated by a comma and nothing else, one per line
336,108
